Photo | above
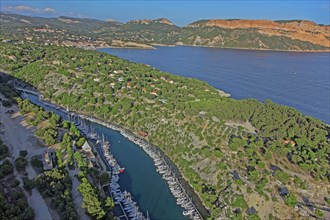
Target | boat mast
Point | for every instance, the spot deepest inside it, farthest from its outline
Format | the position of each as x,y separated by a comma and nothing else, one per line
148,215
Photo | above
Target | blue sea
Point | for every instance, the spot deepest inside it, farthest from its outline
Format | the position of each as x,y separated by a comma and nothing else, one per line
299,80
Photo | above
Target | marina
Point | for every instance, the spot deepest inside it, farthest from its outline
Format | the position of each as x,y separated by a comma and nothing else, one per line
121,186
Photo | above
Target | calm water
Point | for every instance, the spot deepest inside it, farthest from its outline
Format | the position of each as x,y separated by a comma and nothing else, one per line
299,80
140,178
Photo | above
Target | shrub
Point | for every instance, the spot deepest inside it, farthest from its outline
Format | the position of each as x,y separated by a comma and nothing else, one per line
240,203
27,183
282,176
23,153
20,163
14,183
35,162
80,142
6,168
4,151
290,200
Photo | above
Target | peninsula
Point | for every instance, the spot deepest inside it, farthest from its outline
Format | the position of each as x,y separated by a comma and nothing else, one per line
244,158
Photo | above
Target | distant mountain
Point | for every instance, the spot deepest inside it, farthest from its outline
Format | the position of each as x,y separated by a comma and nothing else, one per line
294,35
61,23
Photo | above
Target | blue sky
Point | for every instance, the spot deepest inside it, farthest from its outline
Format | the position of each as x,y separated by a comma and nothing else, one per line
179,12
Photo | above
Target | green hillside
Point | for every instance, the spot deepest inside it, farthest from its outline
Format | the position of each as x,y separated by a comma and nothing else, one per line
236,154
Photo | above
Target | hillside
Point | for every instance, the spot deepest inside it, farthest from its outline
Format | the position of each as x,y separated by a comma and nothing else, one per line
293,35
244,158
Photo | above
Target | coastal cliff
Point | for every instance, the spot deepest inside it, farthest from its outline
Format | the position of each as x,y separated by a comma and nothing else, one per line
296,29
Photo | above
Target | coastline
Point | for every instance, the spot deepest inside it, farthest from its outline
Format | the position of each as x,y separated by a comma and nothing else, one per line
257,49
216,47
128,47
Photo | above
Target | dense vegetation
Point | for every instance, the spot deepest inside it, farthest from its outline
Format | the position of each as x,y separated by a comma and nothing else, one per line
4,151
231,146
6,168
20,163
18,208
7,92
91,201
13,204
56,184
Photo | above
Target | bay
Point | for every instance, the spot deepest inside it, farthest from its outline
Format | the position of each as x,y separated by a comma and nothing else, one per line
299,80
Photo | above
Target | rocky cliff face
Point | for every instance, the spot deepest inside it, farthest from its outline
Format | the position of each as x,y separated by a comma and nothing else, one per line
297,29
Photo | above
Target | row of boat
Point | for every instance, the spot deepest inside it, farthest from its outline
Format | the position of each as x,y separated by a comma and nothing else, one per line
163,168
123,199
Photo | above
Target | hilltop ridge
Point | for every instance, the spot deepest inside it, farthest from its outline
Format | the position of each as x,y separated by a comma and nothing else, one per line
291,35
149,21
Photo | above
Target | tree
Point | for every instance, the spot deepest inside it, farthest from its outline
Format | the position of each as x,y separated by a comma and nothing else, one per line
56,185
282,176
20,163
54,119
237,142
47,134
27,183
74,130
290,200
90,200
35,162
318,213
104,179
80,160
23,153
15,182
4,151
6,168
240,203
59,157
66,124
253,217
80,142
253,175
109,203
